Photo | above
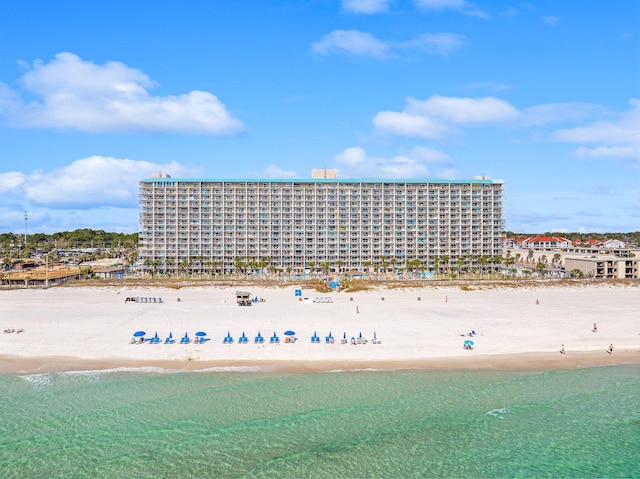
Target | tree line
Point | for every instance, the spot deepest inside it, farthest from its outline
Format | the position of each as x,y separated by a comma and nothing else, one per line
77,239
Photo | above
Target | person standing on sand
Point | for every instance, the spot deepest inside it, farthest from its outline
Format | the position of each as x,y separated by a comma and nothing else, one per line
610,350
562,349
595,328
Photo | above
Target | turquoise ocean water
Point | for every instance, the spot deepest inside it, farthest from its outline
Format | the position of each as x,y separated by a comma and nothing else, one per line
391,424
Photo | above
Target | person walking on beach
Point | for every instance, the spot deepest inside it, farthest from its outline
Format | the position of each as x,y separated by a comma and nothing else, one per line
610,350
562,349
595,328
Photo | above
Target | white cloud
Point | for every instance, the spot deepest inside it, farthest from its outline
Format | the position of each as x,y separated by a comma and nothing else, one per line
364,44
435,43
438,116
11,181
410,124
624,129
619,136
365,6
622,152
353,162
460,6
561,112
81,95
352,42
93,181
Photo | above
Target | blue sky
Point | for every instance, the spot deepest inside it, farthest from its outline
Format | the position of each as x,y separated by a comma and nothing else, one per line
544,95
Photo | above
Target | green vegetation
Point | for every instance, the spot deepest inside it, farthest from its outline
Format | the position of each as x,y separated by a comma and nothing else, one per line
78,239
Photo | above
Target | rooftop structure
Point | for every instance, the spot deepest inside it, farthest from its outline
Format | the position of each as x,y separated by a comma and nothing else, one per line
318,223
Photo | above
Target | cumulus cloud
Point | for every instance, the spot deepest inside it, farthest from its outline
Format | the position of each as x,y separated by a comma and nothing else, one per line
365,6
618,136
421,162
96,181
438,116
460,6
357,43
11,181
71,93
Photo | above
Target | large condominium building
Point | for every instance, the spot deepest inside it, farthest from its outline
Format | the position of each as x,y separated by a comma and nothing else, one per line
321,222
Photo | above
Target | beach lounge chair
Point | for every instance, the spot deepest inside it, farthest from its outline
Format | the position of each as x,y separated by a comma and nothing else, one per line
228,339
274,339
329,339
243,339
185,339
259,339
169,339
315,338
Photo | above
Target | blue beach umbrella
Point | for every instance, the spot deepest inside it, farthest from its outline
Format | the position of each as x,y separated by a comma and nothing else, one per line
201,333
137,334
170,335
344,336
468,342
289,333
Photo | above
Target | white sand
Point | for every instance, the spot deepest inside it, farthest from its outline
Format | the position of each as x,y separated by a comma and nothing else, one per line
94,326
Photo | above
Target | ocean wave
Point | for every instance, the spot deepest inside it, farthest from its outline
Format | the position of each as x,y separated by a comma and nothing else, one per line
236,369
498,413
359,370
38,380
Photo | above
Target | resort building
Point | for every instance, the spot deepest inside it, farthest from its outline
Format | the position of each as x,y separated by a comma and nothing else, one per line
207,225
604,266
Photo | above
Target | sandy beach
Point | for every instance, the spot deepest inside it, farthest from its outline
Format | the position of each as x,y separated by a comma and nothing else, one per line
79,328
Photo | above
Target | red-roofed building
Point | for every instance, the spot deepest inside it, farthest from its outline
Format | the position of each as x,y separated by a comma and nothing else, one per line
545,242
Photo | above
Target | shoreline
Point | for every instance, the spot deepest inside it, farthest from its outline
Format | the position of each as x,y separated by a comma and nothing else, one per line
542,361
80,329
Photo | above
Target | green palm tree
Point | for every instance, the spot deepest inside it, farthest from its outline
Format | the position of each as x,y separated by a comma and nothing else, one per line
445,260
